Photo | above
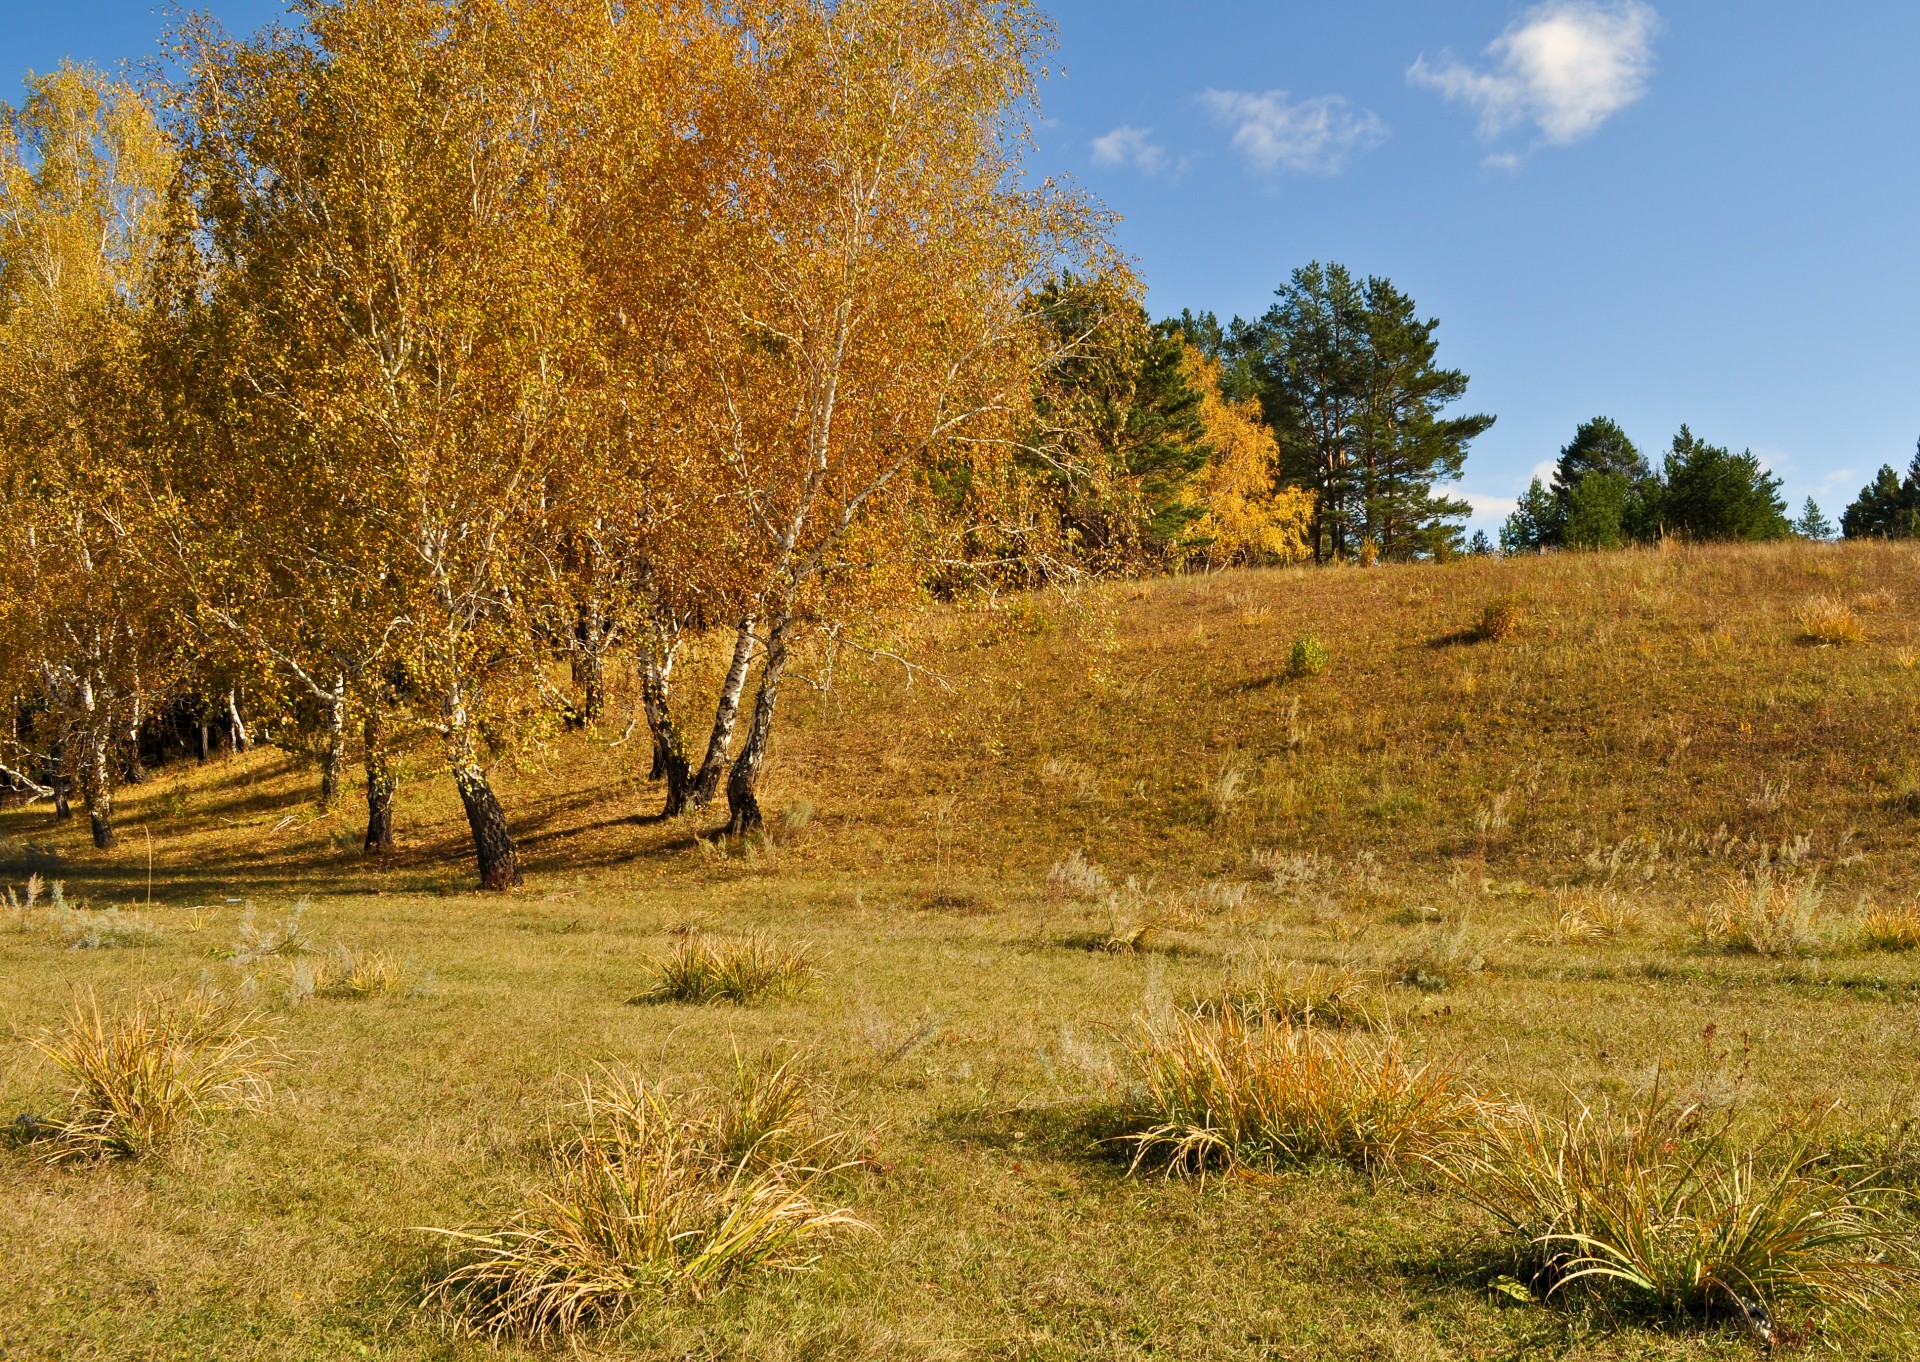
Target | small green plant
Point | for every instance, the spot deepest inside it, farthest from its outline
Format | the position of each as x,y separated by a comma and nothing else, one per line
141,1079
1660,1209
1221,1091
1308,657
699,970
651,1194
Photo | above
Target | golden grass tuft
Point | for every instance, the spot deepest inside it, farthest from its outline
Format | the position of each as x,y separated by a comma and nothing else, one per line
1829,622
143,1078
348,973
1890,928
700,970
652,1194
1761,914
1580,916
1221,1091
1267,988
1501,618
1659,1210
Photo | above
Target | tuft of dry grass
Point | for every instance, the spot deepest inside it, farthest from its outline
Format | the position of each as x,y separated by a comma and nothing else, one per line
1763,914
348,973
1890,928
1829,622
1074,876
1501,618
1267,988
1660,1210
1445,956
141,1079
1221,1091
701,970
1579,916
652,1194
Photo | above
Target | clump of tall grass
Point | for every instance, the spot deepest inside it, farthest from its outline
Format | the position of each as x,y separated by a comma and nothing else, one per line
1221,1091
1890,928
254,943
1827,621
1579,916
1074,876
1501,619
1266,988
653,1194
141,1079
1662,1211
1446,955
700,970
1761,914
346,973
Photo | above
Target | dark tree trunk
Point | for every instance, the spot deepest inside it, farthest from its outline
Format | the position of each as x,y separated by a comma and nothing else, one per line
743,803
669,749
493,848
205,744
590,686
382,781
720,741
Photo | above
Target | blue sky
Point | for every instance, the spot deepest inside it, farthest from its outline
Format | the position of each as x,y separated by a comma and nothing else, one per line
1658,210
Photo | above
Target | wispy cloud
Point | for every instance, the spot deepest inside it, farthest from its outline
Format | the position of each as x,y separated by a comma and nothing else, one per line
1315,136
1127,145
1565,66
1484,507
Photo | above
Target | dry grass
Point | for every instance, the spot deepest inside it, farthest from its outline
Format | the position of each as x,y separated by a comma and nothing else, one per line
650,1194
1501,618
142,1078
1268,988
1889,928
347,973
1221,1091
1660,1210
1829,622
1763,913
1630,759
702,970
1584,916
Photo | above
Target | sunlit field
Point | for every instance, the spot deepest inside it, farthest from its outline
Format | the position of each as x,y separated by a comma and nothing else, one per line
1614,830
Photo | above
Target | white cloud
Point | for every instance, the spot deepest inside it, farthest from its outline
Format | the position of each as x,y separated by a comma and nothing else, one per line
1566,66
1314,136
1487,508
1127,145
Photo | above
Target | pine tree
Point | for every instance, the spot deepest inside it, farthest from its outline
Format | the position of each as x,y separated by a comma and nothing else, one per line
1710,493
1888,507
1346,377
1535,523
1813,523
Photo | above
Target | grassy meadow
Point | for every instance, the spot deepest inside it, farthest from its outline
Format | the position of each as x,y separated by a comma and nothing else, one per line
1567,827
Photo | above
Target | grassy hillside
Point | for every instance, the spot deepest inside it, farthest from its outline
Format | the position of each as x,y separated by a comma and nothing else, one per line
1053,816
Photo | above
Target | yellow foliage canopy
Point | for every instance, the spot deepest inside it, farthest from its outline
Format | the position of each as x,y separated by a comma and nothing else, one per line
1246,517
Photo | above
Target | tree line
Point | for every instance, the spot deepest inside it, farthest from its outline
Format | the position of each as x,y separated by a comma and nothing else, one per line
388,376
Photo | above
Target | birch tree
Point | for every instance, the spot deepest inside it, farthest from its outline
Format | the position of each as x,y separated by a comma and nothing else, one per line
382,228
82,170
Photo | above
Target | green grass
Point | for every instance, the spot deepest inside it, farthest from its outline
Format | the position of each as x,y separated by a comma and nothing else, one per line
1561,805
